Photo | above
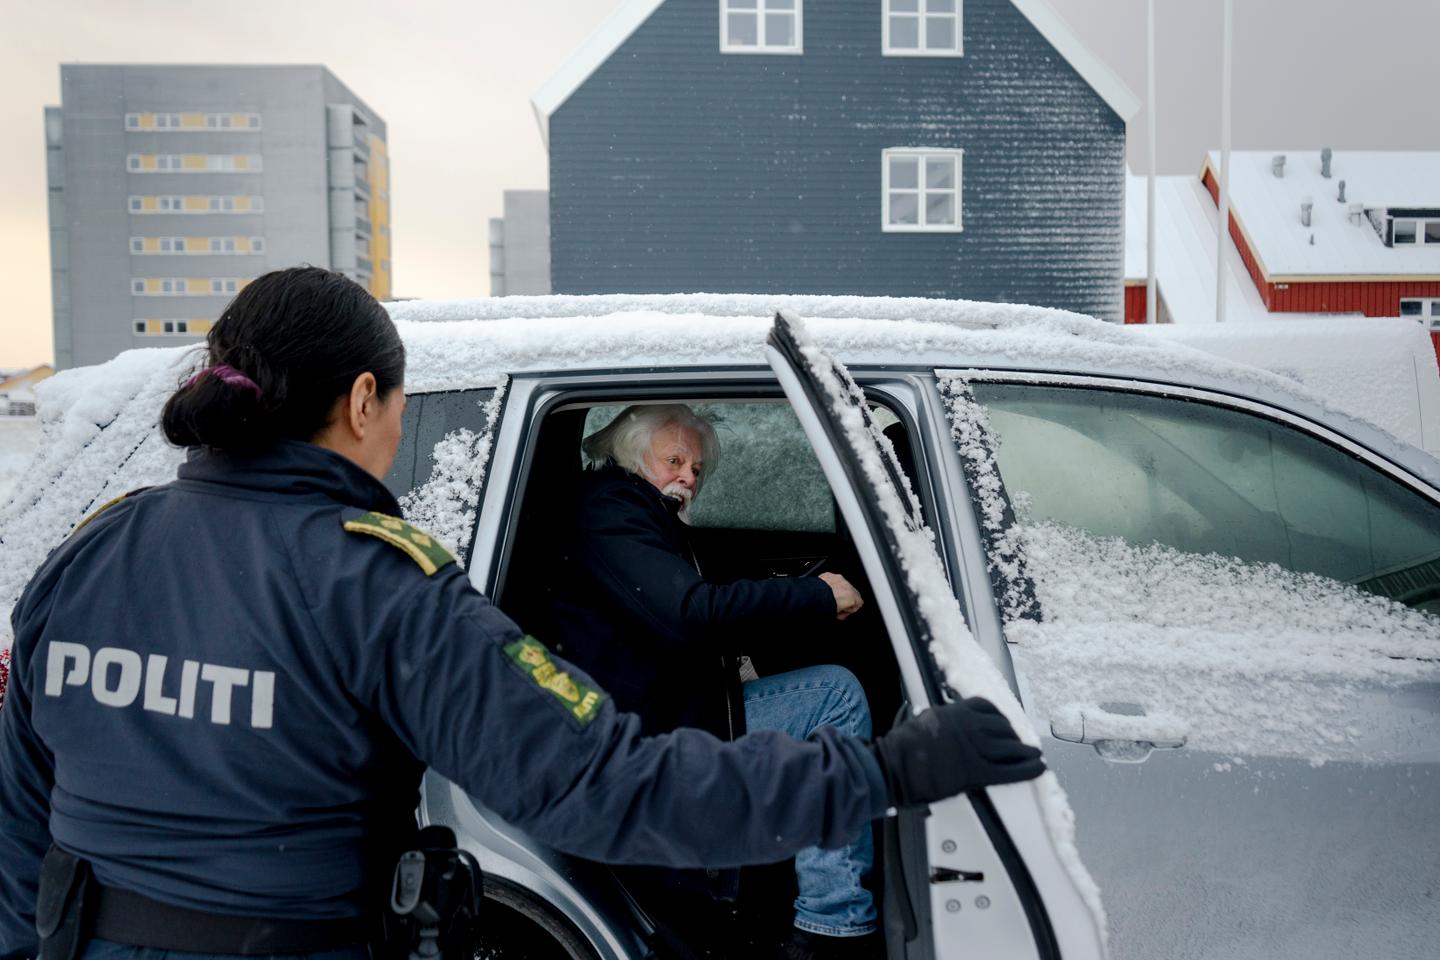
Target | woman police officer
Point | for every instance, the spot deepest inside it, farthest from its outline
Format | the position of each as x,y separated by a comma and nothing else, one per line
226,688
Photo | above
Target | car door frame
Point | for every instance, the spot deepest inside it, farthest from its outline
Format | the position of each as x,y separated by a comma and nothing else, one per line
1003,828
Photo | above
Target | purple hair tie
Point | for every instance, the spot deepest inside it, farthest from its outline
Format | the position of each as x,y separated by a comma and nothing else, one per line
228,375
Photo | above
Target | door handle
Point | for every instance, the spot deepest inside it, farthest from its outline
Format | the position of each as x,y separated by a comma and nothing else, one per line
1122,732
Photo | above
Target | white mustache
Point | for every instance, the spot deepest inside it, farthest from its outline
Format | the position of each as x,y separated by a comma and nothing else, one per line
680,492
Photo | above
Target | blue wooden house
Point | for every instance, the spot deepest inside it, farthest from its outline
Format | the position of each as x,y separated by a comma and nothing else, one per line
943,148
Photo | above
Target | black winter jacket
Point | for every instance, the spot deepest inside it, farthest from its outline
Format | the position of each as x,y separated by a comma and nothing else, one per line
636,613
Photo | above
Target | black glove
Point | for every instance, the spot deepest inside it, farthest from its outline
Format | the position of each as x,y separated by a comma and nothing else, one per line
951,749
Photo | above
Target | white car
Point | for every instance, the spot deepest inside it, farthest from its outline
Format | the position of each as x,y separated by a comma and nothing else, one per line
1214,602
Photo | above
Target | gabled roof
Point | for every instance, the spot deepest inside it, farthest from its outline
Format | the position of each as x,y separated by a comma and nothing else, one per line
631,14
1267,208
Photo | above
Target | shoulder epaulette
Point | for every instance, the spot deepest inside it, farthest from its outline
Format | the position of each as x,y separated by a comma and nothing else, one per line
418,545
105,506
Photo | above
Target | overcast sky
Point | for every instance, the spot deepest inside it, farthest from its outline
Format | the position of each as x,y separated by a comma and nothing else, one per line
452,78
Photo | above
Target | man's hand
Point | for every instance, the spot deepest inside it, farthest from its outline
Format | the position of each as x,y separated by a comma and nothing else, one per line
847,598
953,748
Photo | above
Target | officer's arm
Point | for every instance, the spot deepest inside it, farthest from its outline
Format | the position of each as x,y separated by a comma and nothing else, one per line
628,554
26,776
533,739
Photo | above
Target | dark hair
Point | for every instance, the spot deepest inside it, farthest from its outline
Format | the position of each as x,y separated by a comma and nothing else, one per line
302,335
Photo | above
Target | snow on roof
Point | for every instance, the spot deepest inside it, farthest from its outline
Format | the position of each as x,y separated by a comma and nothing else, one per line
632,14
1268,209
1380,369
1186,226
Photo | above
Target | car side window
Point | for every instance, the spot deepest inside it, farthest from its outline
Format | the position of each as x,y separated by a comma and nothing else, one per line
440,466
1207,480
768,477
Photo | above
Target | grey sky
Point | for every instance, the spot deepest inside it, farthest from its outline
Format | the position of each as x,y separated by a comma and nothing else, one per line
452,78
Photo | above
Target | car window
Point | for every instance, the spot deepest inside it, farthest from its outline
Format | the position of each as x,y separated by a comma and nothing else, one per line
768,477
440,466
1207,480
1235,657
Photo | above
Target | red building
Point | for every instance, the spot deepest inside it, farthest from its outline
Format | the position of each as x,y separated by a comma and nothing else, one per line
1348,232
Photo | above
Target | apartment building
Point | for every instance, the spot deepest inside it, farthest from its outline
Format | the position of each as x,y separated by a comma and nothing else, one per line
172,186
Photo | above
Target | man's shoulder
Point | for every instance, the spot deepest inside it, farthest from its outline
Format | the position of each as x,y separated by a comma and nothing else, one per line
612,481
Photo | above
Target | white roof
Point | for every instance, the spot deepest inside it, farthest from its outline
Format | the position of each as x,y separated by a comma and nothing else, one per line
1185,230
1268,210
631,14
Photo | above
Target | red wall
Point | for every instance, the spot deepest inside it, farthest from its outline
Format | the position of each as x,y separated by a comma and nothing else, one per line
1370,297
1134,303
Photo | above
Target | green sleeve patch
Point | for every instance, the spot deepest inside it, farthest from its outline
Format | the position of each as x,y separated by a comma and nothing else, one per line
530,657
418,545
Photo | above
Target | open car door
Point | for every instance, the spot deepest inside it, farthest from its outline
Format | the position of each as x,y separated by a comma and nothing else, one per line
992,874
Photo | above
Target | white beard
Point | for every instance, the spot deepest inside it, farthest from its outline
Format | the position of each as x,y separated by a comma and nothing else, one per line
682,493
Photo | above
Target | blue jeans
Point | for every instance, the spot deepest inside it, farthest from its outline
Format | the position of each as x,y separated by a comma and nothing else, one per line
833,901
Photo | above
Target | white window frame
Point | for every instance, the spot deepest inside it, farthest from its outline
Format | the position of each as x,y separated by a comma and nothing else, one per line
1429,314
920,15
761,6
922,153
1420,224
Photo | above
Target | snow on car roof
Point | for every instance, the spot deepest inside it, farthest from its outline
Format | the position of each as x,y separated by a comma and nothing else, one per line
99,424
1268,209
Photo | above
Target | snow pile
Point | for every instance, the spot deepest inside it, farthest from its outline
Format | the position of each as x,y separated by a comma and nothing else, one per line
444,506
1237,658
968,670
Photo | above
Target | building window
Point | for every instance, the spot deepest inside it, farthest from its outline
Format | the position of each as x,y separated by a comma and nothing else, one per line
136,204
195,163
257,244
137,245
1421,308
921,28
762,26
1416,231
137,286
920,190
140,327
191,122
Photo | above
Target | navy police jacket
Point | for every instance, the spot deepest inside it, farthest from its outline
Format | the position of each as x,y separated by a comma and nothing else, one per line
224,699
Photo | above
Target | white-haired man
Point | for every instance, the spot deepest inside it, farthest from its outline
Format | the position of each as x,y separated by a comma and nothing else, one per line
635,611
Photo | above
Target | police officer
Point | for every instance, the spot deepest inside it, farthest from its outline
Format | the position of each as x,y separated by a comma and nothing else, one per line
225,689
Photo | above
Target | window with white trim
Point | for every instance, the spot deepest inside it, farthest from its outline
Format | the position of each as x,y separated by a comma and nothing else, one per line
1426,310
1415,231
921,28
920,190
762,26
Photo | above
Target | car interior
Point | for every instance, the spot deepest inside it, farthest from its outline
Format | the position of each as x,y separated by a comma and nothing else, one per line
766,511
